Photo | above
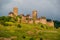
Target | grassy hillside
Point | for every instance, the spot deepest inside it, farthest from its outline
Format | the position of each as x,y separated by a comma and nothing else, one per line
10,28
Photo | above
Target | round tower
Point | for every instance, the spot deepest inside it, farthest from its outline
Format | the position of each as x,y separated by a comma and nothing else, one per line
34,15
15,11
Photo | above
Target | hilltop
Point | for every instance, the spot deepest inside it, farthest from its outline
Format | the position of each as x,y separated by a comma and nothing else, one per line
11,29
4,19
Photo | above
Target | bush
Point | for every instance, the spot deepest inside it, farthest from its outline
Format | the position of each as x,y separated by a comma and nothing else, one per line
19,26
31,39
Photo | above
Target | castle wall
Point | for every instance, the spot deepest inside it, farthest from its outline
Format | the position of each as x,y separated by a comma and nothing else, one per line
50,23
37,21
43,21
31,21
23,20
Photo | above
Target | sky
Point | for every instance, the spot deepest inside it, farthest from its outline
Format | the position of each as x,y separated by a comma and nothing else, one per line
48,8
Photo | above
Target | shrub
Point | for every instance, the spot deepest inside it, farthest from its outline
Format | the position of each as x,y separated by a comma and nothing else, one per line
19,26
31,39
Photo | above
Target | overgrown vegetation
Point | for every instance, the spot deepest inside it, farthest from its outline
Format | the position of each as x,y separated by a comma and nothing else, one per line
10,27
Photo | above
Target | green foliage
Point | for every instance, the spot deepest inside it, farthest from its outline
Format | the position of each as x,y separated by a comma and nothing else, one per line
19,25
31,39
28,31
57,24
10,27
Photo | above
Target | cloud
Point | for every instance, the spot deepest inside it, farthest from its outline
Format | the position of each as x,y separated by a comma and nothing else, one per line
44,7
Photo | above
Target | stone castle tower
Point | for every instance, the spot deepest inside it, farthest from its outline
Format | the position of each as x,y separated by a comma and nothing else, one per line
34,15
15,11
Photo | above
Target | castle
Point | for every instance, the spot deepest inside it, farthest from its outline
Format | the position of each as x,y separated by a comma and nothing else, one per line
29,19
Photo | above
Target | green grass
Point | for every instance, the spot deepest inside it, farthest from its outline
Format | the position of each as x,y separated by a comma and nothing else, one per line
29,31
